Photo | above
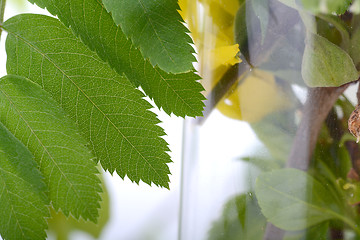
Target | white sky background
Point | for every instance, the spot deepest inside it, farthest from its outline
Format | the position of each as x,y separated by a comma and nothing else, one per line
144,212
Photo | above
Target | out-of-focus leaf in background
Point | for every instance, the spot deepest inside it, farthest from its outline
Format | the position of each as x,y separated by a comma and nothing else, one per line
325,64
241,219
293,200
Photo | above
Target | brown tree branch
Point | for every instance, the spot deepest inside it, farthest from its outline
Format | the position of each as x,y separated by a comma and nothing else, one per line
317,106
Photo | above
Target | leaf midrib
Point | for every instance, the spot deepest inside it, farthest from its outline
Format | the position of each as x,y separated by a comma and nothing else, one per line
80,90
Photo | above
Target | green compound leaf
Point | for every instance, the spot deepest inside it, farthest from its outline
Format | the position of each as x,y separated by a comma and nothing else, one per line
177,93
325,64
156,27
23,199
109,111
293,200
66,163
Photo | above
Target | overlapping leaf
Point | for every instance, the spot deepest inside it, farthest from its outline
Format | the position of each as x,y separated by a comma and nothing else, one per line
241,219
22,191
155,26
293,200
38,121
177,93
109,111
325,64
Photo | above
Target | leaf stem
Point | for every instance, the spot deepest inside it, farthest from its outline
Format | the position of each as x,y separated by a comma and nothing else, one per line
2,10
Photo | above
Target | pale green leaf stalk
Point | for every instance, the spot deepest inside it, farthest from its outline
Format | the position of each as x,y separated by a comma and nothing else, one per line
24,203
66,163
175,93
109,111
156,27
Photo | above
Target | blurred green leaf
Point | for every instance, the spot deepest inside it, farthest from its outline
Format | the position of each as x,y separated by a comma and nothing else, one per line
325,64
354,50
316,232
346,137
263,163
351,189
241,219
333,29
276,131
293,200
335,158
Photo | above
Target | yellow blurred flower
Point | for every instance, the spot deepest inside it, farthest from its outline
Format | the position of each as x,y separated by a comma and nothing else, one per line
211,23
255,97
224,55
